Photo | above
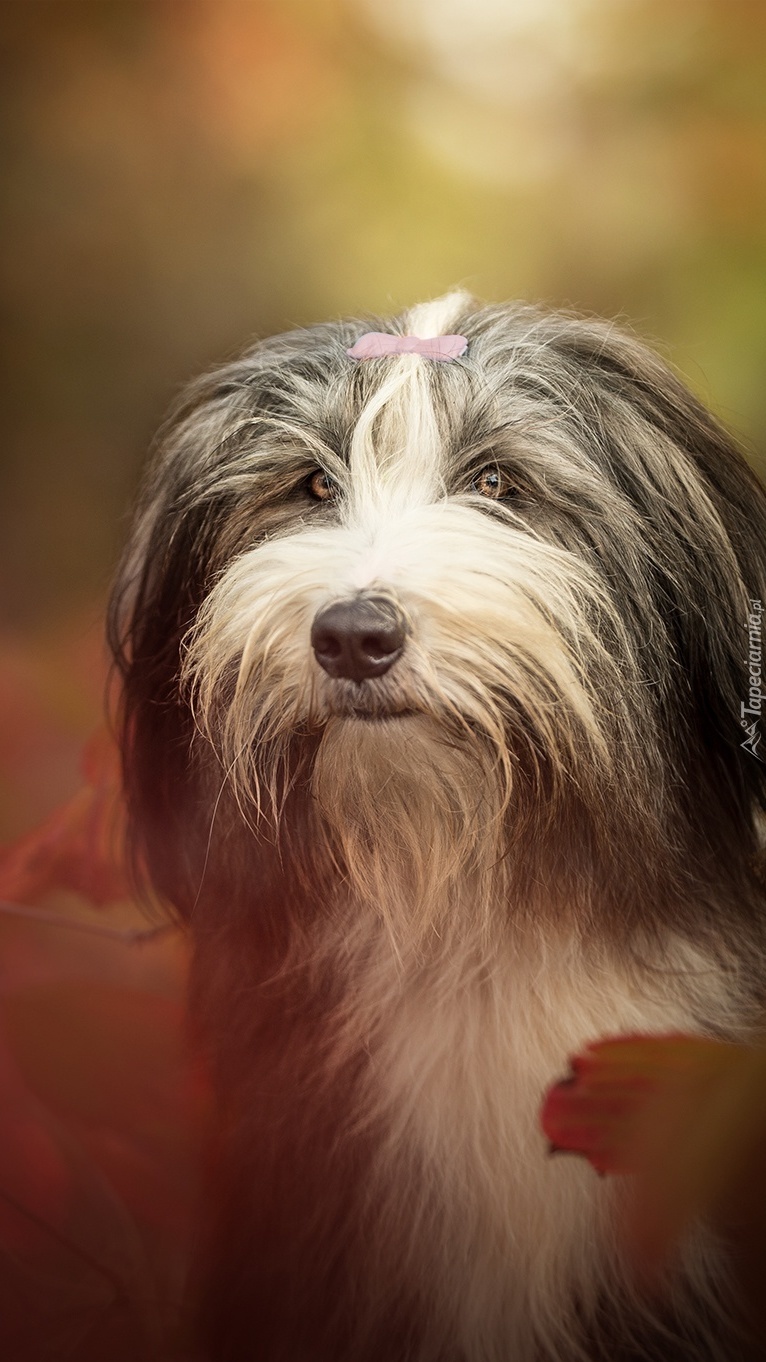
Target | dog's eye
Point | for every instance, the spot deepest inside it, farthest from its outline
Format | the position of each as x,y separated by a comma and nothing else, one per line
491,482
321,487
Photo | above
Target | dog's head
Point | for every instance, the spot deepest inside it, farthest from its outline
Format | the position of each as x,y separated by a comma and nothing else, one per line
492,610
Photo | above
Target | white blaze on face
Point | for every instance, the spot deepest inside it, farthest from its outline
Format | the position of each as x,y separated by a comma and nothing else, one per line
396,450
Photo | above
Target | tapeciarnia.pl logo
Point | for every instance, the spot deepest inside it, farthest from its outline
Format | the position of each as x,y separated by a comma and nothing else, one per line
750,711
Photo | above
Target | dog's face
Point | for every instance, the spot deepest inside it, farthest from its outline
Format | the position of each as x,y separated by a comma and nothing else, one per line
470,606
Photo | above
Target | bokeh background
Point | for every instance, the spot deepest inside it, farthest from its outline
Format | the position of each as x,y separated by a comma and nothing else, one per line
182,175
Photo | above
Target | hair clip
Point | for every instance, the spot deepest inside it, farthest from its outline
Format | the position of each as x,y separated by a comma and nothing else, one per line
379,343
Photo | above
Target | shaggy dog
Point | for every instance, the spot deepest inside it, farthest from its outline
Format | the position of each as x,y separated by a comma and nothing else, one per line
436,673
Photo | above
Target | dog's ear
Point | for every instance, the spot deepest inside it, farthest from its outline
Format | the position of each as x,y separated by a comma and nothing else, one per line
704,513
191,518
163,578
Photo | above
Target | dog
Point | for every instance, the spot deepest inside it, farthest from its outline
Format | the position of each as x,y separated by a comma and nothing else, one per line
437,656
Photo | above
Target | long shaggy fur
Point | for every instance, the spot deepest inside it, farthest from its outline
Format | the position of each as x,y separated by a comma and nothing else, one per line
414,896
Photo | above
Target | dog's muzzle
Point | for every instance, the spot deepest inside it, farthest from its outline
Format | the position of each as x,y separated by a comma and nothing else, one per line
359,638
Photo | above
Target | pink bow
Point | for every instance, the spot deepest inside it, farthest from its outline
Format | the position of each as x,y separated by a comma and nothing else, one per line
378,343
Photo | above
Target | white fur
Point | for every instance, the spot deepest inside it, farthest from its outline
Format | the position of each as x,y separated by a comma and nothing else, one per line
504,1237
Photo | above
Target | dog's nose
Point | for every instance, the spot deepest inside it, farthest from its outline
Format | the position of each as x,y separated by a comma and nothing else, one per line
358,638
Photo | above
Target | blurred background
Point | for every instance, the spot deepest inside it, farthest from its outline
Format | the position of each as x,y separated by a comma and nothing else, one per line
179,177
183,175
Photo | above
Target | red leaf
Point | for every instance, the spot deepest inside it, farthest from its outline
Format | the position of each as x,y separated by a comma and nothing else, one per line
81,845
606,1108
687,1115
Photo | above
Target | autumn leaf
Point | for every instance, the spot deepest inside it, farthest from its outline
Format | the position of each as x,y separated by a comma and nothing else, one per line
687,1116
601,1109
81,845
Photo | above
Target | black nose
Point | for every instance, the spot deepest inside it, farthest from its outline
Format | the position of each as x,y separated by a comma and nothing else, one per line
358,638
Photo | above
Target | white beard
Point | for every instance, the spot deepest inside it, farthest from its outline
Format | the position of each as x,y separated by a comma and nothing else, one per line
410,815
